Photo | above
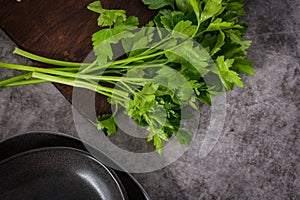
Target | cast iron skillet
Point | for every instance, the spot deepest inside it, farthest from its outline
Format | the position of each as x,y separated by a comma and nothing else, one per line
44,144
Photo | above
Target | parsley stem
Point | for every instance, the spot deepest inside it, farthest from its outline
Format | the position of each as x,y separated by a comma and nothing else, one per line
156,45
123,69
15,79
67,69
26,82
89,66
132,59
68,74
116,109
48,60
139,58
197,29
129,89
127,67
82,84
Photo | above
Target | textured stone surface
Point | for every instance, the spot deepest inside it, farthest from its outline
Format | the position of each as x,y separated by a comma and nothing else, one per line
33,107
258,154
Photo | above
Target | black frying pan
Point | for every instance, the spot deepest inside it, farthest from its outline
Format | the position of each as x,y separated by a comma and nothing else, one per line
42,153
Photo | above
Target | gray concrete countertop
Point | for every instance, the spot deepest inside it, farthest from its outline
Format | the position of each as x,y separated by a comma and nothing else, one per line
258,154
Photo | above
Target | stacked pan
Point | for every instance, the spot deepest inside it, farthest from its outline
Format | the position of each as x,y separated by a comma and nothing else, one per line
48,166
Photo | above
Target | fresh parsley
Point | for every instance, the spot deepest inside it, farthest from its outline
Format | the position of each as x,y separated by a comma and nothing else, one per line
163,70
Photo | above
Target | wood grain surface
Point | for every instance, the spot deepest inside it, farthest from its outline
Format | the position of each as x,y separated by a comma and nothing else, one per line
61,30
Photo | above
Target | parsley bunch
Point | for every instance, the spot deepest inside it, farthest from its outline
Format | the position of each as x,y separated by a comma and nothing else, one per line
164,67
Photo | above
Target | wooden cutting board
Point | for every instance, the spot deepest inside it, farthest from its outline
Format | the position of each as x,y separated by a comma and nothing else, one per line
61,29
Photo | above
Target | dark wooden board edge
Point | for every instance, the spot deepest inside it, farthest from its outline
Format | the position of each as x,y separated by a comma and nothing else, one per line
61,30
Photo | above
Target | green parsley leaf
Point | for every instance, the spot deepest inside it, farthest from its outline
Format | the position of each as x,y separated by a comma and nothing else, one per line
228,76
107,124
185,27
184,137
184,5
107,17
195,5
156,4
244,66
212,8
169,18
220,42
